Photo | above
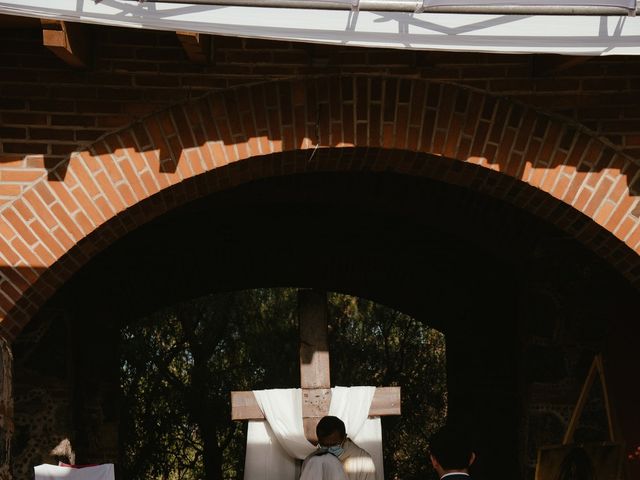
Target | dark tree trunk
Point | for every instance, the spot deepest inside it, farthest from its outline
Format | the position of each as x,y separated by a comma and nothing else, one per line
204,414
212,453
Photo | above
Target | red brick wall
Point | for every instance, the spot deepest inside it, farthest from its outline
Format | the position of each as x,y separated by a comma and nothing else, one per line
482,109
567,145
49,108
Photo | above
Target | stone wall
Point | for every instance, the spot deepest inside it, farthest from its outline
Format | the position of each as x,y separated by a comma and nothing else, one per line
6,407
61,394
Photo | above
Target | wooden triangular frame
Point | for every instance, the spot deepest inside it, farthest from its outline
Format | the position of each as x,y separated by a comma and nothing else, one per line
597,368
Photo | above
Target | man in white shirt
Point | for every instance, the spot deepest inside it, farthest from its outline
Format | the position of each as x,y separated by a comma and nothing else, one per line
322,467
451,454
333,441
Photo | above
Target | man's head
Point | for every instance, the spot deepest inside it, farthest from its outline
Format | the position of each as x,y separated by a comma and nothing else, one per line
451,450
330,431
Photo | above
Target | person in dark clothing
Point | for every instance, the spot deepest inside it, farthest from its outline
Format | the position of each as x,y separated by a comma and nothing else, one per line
451,453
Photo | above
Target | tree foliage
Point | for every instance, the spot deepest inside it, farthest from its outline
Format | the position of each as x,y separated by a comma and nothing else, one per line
374,345
179,365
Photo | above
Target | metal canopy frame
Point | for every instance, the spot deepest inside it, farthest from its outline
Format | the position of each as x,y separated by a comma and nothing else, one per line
416,6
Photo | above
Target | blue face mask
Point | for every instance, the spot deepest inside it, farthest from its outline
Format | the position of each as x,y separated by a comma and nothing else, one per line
336,450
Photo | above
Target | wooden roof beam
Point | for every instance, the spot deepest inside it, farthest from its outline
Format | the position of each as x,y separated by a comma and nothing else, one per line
386,401
66,40
197,46
547,65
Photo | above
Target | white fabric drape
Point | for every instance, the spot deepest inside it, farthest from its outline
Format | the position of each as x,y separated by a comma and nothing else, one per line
562,34
265,458
274,445
347,403
54,472
283,411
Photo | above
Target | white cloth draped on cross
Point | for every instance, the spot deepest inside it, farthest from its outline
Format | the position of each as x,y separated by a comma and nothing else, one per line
275,445
53,472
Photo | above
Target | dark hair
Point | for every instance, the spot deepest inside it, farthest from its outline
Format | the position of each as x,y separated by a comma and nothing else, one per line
451,447
328,425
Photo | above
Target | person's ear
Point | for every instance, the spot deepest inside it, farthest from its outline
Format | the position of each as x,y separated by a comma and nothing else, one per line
472,458
434,462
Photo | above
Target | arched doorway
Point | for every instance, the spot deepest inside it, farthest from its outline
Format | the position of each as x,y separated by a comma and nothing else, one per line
466,263
533,173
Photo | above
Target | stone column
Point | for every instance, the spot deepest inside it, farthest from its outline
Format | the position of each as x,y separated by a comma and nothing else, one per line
6,409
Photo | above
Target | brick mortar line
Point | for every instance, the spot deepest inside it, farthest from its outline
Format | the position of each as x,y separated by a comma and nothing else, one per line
58,202
629,209
178,136
139,150
197,150
114,184
36,217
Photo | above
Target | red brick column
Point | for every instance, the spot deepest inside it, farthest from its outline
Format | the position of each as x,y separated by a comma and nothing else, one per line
414,127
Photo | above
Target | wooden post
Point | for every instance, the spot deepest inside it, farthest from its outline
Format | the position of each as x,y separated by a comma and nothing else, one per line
315,379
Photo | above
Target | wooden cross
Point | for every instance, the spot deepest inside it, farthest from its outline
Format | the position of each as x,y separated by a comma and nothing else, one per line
315,379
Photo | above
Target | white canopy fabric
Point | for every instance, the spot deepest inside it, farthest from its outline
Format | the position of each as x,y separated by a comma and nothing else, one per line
570,35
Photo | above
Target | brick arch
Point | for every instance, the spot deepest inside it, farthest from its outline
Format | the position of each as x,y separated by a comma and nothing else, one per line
416,127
